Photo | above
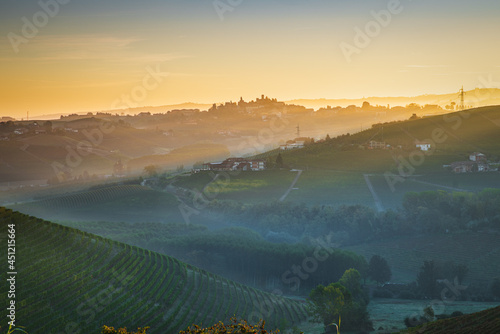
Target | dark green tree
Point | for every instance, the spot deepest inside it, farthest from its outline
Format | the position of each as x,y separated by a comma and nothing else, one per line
279,161
495,287
48,126
379,270
326,303
427,277
151,170
454,271
331,303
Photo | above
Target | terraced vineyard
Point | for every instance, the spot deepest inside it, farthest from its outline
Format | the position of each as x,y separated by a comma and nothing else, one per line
71,281
487,321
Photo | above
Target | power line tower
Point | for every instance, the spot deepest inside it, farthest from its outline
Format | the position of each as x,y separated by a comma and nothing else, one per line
462,94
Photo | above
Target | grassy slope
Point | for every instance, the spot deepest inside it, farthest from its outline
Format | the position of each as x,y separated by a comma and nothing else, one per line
129,203
333,171
487,321
68,280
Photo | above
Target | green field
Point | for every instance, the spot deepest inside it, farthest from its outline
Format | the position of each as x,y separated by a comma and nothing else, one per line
248,187
328,187
70,280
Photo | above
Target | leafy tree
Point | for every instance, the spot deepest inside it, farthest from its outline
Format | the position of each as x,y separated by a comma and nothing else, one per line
336,301
351,279
279,161
270,163
151,170
454,271
326,303
48,126
427,277
379,270
495,287
426,316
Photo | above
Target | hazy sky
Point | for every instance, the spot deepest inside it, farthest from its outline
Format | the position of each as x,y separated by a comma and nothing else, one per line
96,54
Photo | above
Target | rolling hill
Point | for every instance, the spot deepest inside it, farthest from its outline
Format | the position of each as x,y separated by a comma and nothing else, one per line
337,171
129,203
487,321
69,281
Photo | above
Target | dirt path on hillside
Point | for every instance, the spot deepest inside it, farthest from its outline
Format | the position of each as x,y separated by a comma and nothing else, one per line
439,185
299,172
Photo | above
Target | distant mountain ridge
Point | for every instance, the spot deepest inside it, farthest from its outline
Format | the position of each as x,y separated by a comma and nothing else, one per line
474,98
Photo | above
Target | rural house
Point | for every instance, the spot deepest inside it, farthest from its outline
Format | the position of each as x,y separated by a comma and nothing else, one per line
423,145
232,164
478,157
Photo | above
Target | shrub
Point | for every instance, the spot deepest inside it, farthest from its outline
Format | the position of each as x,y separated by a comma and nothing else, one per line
456,314
234,327
112,330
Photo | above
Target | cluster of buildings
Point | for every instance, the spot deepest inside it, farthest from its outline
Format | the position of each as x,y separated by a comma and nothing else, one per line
293,144
233,164
477,163
380,145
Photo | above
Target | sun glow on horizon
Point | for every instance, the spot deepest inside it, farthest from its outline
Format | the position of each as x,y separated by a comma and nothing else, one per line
88,56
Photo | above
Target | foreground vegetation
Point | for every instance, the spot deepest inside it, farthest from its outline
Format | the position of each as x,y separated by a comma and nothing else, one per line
70,280
487,321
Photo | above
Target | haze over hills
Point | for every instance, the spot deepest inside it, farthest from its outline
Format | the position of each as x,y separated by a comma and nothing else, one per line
79,146
336,187
71,280
474,98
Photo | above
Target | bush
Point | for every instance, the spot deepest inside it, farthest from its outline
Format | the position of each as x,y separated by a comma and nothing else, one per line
235,327
112,330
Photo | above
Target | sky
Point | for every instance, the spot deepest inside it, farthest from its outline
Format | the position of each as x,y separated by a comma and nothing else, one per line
63,56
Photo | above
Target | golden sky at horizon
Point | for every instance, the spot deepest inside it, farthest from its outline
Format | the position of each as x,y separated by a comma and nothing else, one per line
97,56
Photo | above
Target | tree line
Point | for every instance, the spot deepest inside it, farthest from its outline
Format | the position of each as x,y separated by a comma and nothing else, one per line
425,212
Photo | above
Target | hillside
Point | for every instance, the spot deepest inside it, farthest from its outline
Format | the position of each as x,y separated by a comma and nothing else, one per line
67,280
344,171
487,321
477,250
129,203
452,136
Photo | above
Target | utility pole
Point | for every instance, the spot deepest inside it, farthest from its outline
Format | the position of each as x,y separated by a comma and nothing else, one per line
462,94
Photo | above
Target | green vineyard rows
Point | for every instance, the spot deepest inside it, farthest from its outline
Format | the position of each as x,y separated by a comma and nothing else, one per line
70,281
